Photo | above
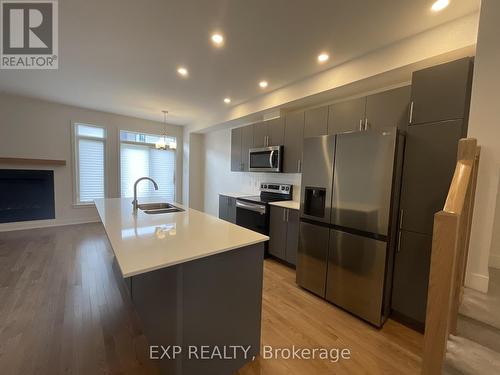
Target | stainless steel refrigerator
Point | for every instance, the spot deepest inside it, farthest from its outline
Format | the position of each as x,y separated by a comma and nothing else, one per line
346,243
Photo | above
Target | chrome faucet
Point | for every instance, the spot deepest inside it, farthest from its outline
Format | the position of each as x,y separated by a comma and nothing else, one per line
135,203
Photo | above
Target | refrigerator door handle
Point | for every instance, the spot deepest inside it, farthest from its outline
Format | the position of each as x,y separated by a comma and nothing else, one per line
398,248
401,215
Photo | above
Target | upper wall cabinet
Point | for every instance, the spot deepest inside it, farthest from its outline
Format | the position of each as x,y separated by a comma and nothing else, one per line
276,131
260,134
269,133
346,116
294,136
246,145
388,108
241,143
236,161
441,92
316,122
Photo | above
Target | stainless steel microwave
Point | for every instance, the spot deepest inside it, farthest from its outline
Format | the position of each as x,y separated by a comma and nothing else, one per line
266,159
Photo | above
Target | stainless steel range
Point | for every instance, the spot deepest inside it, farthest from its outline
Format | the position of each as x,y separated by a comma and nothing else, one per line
253,212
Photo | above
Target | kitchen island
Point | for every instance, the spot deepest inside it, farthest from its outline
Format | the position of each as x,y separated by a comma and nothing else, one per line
195,282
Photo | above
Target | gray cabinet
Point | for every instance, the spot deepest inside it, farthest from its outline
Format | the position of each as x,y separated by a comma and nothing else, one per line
441,92
441,96
316,122
227,208
293,138
277,232
411,276
284,233
236,160
241,143
429,164
268,133
388,108
346,116
292,236
260,134
246,145
276,131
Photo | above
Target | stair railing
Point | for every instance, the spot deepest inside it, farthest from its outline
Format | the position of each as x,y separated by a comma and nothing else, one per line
450,243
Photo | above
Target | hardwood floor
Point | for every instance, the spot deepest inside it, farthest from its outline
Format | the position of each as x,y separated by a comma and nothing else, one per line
62,311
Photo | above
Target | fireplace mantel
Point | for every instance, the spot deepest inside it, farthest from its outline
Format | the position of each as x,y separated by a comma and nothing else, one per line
27,161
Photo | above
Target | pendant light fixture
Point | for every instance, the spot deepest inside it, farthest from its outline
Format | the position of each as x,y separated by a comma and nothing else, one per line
161,144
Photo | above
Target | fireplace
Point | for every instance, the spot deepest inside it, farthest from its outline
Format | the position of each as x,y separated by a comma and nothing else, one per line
26,195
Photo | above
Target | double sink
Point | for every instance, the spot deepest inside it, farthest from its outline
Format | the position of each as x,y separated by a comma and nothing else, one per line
158,208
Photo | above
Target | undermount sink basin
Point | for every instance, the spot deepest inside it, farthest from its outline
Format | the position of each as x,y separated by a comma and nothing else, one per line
158,208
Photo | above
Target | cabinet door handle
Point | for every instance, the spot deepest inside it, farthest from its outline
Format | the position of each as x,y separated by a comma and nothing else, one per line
284,214
398,249
401,215
287,214
360,124
366,123
411,112
299,165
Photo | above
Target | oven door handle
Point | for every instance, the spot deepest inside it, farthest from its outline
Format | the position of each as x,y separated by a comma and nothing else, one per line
251,207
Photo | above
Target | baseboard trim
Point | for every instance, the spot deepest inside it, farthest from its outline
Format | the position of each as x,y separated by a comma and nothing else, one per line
477,282
43,224
495,261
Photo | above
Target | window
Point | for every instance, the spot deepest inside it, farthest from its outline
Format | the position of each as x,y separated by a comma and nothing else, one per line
90,151
139,158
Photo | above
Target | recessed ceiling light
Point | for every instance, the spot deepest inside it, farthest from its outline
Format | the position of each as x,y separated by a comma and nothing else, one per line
227,100
217,39
182,71
263,84
440,5
323,57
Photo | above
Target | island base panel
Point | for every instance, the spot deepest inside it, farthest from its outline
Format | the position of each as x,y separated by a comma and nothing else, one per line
213,302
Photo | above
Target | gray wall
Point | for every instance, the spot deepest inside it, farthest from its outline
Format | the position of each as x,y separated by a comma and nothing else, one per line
31,128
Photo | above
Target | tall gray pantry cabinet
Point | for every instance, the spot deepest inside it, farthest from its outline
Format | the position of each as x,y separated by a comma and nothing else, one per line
439,109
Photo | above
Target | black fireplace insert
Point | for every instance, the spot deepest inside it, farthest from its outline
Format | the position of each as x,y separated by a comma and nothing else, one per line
26,195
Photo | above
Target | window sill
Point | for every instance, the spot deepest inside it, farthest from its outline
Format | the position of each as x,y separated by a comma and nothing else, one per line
83,205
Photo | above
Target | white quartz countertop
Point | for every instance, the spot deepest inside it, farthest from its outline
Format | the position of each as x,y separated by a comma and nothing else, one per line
287,204
144,242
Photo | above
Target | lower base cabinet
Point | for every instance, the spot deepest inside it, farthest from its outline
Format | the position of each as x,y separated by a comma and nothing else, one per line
411,278
284,234
227,208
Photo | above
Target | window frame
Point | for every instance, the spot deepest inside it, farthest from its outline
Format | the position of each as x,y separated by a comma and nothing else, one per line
144,144
76,160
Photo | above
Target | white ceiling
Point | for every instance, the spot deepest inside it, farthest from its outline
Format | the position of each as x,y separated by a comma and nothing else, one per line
121,55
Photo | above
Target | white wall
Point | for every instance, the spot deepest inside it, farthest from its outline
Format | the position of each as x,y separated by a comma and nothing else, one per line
484,125
31,128
220,179
196,171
